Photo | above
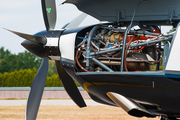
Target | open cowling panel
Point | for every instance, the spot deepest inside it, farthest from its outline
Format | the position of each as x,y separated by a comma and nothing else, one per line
147,11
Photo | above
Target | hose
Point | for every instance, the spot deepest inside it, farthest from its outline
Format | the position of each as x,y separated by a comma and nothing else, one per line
139,49
77,60
125,53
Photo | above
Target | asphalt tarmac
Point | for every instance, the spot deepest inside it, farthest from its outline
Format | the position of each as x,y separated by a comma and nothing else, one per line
46,102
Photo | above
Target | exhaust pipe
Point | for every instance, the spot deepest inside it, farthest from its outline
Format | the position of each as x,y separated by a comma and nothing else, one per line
131,107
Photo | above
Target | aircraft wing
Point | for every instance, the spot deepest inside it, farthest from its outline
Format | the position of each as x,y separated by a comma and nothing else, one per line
122,10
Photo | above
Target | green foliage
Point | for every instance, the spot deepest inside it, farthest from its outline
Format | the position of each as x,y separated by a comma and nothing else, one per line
24,78
4,53
10,62
27,60
19,70
172,30
52,68
53,81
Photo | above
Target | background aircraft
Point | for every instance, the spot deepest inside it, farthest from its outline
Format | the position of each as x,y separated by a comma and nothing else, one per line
115,63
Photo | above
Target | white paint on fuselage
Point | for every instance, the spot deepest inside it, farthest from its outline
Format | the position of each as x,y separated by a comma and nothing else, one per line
67,46
173,63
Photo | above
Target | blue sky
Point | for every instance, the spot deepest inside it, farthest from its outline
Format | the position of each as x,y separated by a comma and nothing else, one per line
26,16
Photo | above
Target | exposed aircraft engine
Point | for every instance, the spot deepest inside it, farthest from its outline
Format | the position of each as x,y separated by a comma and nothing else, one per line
102,49
126,62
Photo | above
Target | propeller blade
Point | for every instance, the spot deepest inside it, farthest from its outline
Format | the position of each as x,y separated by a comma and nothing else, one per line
49,13
70,86
76,22
36,91
36,39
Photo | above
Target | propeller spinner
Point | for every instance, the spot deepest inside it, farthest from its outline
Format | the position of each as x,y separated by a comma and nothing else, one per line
44,44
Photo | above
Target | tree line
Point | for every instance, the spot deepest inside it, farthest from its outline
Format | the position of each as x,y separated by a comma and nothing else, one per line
24,78
25,60
19,70
10,62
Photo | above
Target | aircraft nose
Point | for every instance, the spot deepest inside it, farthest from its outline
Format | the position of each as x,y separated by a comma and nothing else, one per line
34,48
40,50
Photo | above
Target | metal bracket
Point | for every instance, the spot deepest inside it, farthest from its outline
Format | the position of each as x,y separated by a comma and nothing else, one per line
173,13
121,14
